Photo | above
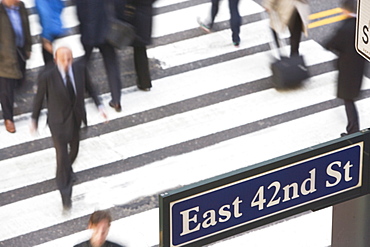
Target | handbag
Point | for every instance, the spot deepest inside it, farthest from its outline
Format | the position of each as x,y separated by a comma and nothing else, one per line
289,72
120,33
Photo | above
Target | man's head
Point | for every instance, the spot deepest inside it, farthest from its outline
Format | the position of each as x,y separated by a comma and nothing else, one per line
100,223
63,58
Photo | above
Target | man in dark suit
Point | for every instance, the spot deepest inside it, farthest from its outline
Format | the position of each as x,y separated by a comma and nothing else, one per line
351,65
93,28
64,87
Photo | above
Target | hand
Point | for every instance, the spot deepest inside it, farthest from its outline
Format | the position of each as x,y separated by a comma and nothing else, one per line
103,113
47,45
33,127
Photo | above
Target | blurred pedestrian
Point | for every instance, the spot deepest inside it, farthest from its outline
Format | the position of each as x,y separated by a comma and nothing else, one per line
49,12
99,223
293,14
15,49
93,28
64,86
139,13
235,19
350,65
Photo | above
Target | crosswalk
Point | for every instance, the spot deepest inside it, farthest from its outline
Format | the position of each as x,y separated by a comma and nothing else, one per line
212,111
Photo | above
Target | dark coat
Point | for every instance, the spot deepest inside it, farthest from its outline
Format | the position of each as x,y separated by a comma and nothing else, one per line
93,21
9,65
350,64
141,18
61,112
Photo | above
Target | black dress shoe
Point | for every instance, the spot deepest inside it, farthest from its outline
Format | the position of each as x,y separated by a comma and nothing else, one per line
116,106
343,134
146,89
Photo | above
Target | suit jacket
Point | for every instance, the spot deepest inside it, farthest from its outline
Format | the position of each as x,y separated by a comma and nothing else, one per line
93,21
63,115
350,64
9,65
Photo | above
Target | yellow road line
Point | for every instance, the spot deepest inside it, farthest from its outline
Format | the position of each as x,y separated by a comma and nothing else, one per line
327,21
325,13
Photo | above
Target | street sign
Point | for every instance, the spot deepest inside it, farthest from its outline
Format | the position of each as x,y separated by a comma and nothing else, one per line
363,28
242,200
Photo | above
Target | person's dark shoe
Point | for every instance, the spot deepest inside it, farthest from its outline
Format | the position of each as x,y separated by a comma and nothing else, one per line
146,89
236,44
343,134
116,106
9,126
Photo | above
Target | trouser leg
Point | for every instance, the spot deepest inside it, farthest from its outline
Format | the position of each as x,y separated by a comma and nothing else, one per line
295,29
7,97
214,11
88,51
235,20
142,67
352,117
64,168
111,67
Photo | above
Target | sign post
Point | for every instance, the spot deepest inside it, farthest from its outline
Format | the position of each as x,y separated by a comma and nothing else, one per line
241,200
363,28
351,223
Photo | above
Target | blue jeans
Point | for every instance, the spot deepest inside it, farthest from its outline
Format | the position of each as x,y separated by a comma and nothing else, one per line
235,20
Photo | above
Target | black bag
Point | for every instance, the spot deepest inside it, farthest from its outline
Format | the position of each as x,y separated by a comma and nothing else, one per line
289,72
120,33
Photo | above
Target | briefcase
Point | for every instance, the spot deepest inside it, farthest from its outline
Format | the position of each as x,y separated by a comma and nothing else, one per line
120,34
289,72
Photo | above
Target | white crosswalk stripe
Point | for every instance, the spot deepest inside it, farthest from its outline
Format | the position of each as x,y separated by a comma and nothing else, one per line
273,123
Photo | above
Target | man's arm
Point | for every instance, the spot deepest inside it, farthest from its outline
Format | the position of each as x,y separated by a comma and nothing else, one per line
38,100
92,92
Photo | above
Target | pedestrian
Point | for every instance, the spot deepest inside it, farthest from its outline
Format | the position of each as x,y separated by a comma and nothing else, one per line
93,28
99,223
293,14
49,12
64,85
350,64
15,49
235,20
139,13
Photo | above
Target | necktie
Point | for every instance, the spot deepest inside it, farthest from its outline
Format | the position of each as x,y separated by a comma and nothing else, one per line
69,85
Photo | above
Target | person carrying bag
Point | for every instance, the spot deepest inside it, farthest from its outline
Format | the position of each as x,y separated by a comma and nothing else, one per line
288,72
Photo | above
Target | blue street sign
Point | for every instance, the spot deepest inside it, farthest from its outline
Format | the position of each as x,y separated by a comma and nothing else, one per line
207,211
